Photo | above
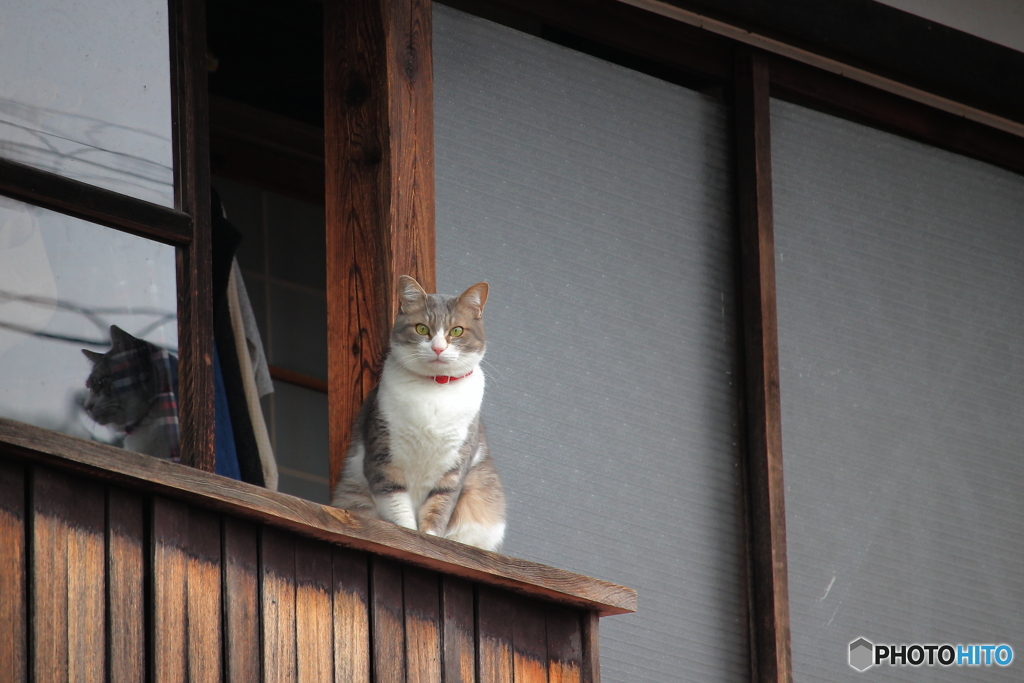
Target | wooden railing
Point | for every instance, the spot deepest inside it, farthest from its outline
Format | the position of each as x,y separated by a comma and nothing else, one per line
120,567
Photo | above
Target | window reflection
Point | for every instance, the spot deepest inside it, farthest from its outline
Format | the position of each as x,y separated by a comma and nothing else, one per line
86,92
67,285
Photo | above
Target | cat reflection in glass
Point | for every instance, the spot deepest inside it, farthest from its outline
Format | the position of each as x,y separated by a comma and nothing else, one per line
133,389
418,455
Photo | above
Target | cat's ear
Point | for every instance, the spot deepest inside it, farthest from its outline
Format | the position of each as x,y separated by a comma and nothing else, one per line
118,337
474,298
410,295
92,355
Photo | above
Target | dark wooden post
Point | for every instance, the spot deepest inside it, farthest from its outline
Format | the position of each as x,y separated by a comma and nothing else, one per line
192,196
379,159
770,646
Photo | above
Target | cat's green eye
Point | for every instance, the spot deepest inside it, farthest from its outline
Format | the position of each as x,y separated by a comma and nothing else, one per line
456,332
423,329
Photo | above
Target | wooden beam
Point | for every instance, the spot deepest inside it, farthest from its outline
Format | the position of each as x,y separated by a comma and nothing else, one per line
192,196
882,40
379,149
618,32
841,96
142,473
770,649
95,204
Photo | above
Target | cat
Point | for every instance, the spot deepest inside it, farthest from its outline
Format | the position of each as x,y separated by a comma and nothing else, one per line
133,388
418,455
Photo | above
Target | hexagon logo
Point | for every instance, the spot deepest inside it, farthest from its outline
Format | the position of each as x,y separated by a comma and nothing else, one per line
861,654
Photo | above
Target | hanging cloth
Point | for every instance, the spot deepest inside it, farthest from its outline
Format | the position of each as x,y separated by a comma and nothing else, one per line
226,463
252,395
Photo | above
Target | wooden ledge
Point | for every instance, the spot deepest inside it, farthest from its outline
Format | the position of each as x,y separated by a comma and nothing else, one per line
143,473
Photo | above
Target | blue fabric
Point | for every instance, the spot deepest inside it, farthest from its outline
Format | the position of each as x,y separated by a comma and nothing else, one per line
224,435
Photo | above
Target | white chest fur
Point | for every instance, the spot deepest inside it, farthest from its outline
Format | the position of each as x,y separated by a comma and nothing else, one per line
428,423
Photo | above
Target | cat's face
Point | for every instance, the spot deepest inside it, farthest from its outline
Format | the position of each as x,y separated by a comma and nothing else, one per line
122,382
437,335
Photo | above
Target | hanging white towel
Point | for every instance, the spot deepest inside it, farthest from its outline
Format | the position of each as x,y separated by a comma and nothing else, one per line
252,395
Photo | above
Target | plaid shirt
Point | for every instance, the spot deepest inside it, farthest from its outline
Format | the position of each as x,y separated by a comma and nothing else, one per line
147,367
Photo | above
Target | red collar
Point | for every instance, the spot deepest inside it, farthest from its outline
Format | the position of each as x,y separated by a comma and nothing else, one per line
446,379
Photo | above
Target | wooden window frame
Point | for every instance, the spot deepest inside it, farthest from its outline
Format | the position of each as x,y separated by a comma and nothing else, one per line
379,192
185,227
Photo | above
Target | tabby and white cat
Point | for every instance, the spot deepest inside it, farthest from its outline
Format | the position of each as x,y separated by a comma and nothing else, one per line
133,388
418,456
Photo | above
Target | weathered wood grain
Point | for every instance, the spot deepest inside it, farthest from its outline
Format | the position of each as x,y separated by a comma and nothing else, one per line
277,579
169,579
529,643
423,631
590,638
13,574
379,165
69,578
565,645
205,628
143,473
314,625
86,579
388,625
495,616
351,616
458,618
48,572
242,663
763,425
126,563
191,131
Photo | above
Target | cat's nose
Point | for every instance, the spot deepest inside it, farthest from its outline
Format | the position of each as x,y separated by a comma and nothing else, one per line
438,349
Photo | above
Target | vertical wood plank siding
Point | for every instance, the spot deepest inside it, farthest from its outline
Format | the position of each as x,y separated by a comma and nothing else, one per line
170,588
277,588
100,582
126,561
379,169
13,583
314,624
459,631
529,643
494,621
68,578
388,622
423,634
565,647
766,509
241,602
351,616
205,649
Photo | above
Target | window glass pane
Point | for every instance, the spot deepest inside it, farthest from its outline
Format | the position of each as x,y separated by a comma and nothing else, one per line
900,269
63,283
85,92
596,201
